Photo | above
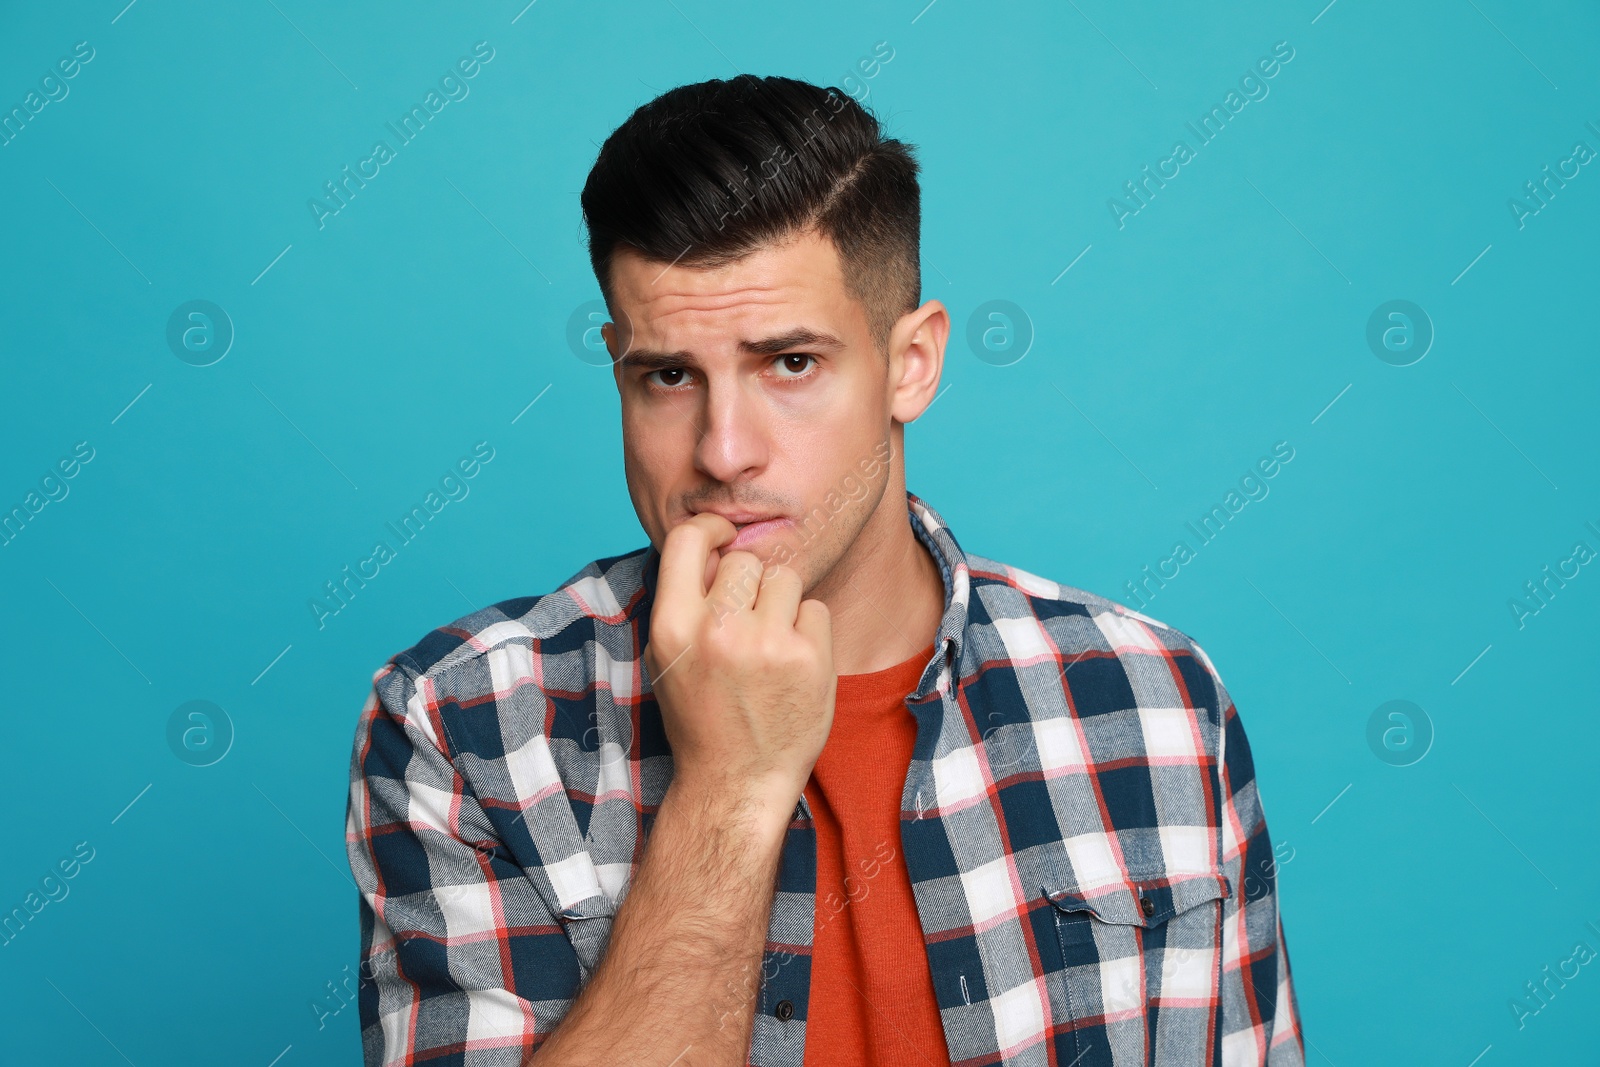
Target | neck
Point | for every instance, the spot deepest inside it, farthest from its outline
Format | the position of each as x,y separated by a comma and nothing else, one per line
885,595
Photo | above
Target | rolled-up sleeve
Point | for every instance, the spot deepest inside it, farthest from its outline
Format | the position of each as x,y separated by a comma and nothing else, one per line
446,920
1260,1019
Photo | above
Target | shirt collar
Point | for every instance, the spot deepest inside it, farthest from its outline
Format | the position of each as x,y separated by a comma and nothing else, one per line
931,529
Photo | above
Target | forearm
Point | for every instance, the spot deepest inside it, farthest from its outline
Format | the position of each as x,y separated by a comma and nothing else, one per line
683,963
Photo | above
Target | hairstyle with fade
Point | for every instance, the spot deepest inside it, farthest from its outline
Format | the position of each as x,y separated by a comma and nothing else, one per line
705,174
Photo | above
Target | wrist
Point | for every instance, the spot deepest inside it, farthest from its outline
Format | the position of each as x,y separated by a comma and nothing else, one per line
757,807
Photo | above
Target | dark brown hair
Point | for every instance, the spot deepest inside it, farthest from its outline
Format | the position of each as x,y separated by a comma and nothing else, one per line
706,173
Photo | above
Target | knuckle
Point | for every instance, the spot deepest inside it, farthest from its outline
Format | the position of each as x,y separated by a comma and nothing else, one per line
722,643
743,560
683,535
665,638
772,650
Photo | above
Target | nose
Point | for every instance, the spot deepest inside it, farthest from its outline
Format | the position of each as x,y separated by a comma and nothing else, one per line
733,441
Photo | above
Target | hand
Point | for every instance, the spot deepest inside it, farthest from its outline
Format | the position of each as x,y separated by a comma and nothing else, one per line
742,669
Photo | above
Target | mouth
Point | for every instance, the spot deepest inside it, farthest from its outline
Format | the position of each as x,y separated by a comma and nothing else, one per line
756,530
751,527
739,518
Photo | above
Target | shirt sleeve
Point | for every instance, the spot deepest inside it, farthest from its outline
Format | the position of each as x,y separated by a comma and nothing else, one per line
1260,1018
439,901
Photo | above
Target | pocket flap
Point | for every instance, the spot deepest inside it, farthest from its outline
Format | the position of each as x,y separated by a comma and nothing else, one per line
1144,902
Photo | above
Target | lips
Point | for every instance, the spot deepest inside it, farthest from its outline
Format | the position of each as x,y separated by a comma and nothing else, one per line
749,526
740,518
751,532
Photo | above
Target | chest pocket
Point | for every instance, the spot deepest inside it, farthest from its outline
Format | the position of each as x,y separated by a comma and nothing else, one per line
1140,967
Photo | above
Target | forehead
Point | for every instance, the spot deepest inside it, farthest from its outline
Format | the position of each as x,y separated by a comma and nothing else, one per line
799,274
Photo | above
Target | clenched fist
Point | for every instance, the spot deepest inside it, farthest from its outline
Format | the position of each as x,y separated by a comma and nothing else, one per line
742,669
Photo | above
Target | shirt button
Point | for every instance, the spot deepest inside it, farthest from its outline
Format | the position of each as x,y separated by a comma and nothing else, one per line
1147,906
784,1010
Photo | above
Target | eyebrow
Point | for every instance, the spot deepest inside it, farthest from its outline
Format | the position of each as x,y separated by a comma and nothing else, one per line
799,337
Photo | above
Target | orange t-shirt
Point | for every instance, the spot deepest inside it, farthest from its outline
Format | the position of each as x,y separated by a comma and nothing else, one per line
872,999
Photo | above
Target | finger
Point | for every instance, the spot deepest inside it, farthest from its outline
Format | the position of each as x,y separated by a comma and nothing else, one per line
685,553
815,622
708,577
778,599
738,579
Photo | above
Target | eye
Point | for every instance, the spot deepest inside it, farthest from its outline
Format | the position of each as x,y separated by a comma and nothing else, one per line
664,384
784,362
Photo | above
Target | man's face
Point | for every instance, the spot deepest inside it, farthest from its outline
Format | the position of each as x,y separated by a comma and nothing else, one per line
754,391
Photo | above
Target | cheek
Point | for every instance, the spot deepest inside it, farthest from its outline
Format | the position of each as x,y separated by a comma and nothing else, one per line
845,409
657,439
648,469
829,436
658,461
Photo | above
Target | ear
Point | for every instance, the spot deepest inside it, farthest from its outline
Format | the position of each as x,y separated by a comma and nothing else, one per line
916,360
608,332
619,339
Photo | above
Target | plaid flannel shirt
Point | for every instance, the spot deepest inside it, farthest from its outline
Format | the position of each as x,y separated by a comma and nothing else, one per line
1080,824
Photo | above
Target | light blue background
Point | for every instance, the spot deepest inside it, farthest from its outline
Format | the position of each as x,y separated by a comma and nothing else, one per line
1227,315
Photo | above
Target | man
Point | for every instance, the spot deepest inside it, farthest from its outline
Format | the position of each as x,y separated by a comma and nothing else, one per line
801,781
